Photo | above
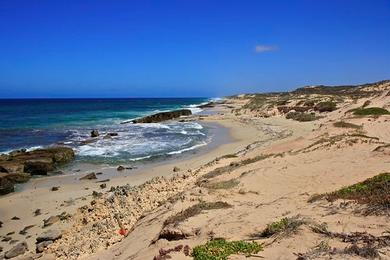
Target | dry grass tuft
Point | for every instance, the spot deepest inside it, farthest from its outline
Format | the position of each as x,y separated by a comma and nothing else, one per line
195,210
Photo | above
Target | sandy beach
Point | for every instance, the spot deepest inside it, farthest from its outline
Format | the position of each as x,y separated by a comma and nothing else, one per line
269,171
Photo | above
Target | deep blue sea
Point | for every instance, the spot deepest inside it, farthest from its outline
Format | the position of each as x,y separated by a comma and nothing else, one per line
33,123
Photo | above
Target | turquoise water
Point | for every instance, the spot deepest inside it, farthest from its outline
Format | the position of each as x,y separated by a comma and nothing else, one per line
32,123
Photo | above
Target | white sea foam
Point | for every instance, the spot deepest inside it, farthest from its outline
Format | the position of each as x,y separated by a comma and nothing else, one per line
188,149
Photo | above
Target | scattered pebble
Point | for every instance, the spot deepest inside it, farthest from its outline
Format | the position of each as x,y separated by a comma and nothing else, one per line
89,176
55,188
37,212
15,218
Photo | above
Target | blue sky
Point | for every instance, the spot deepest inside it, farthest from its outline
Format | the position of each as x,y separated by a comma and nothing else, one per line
188,48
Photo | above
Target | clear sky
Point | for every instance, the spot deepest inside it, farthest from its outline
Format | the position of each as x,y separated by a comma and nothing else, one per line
143,48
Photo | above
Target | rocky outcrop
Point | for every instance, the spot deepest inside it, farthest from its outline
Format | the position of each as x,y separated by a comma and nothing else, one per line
163,116
18,166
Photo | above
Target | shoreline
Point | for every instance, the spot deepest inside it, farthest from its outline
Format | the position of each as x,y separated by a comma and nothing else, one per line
73,193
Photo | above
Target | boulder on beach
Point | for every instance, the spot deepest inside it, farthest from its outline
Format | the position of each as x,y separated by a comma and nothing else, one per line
17,250
49,235
163,116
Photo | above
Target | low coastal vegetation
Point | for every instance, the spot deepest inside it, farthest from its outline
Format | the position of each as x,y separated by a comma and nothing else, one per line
374,192
301,117
195,210
371,111
283,227
325,106
229,184
220,249
343,124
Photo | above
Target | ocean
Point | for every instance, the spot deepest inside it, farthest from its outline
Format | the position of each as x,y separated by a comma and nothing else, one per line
35,123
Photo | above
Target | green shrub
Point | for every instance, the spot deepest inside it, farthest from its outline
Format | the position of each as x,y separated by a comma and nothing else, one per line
284,226
327,106
343,124
220,249
195,210
301,117
370,111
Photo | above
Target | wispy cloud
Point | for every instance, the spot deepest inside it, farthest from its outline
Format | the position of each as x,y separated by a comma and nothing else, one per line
265,48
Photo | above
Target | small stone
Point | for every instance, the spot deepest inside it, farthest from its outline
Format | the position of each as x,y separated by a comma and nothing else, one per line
94,133
19,249
50,221
42,245
120,168
105,180
49,235
1,224
10,233
37,212
103,186
6,239
99,173
176,169
96,194
89,176
15,218
55,188
24,230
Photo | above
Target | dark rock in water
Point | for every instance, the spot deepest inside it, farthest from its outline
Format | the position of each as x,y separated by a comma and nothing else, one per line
55,188
109,135
49,235
94,133
42,245
163,116
19,249
120,168
207,105
89,176
50,221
